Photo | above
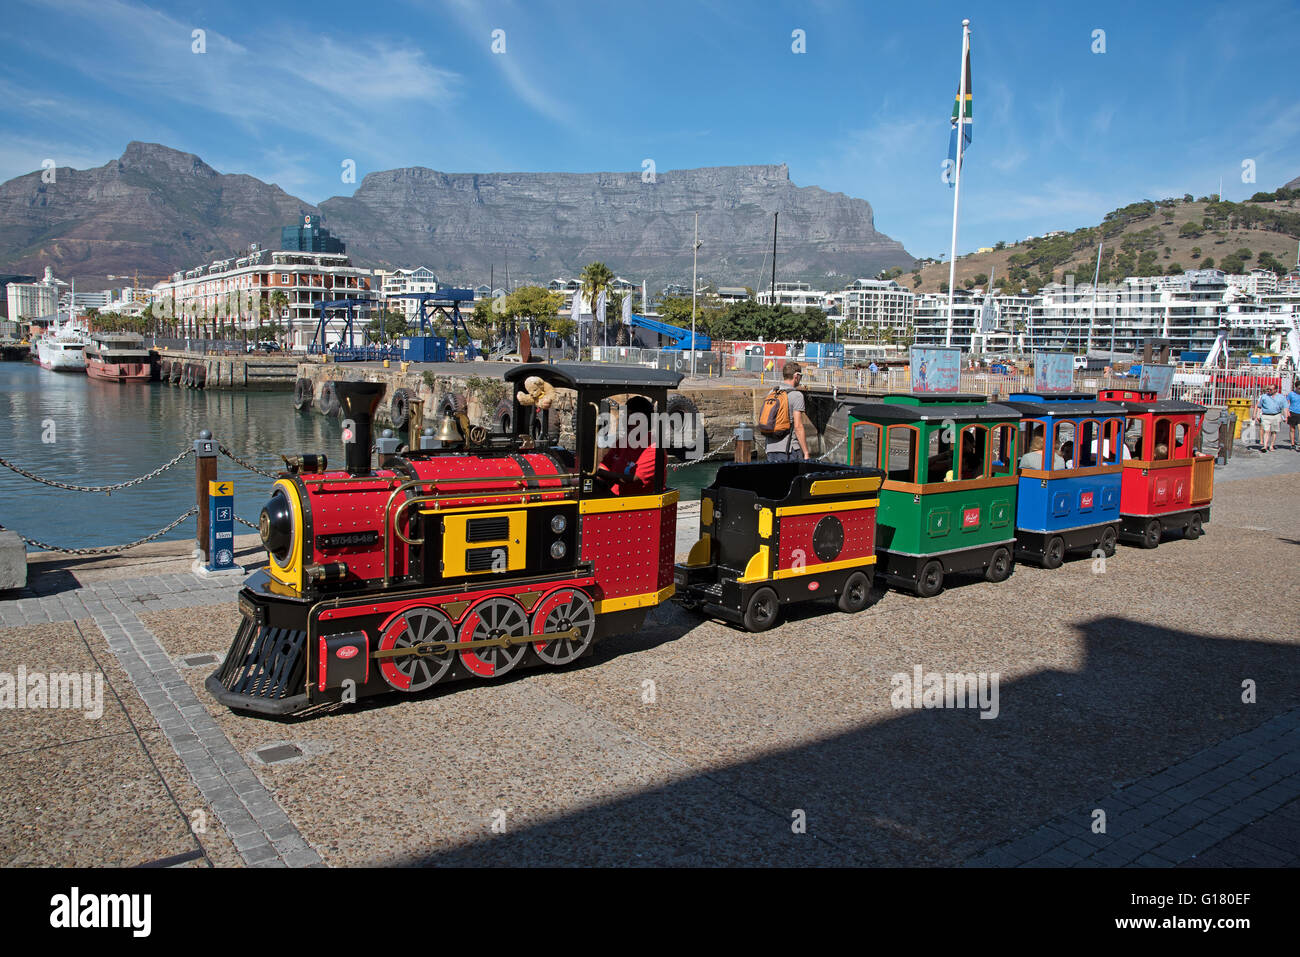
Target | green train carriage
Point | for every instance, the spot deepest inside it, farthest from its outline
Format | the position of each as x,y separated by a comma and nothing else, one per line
948,500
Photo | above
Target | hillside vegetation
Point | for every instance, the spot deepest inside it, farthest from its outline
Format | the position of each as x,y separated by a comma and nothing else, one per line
1150,238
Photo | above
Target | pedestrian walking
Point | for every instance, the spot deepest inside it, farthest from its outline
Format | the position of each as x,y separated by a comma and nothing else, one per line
1269,409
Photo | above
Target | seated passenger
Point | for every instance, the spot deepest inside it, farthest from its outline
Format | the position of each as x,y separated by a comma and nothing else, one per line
1033,459
1161,451
1067,453
630,468
941,461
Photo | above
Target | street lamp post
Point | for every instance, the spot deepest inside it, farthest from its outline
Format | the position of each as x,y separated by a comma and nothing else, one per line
695,264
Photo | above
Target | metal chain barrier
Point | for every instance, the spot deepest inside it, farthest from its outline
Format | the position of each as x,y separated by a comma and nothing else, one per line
838,445
703,458
97,488
244,521
110,549
245,464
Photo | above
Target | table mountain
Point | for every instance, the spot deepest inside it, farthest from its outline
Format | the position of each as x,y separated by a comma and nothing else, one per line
157,210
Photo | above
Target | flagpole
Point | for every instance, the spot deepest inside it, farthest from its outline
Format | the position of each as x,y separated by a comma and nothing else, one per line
956,196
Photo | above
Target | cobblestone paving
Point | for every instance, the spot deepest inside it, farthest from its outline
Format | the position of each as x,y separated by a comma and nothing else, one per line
1226,797
261,831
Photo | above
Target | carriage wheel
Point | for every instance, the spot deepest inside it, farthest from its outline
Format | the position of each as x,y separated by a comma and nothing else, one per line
856,594
1108,539
762,609
1194,528
999,569
1151,533
930,582
1054,553
561,610
492,618
412,627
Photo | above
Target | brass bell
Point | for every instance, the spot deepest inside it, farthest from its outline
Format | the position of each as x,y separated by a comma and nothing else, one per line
448,434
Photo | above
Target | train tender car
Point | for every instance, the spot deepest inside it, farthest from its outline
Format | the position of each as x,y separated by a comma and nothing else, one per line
1167,485
774,533
487,555
1075,507
948,499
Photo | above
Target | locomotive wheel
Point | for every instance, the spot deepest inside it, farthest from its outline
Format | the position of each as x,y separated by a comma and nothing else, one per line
1054,553
1108,539
762,609
1194,528
1151,533
561,610
492,618
999,569
412,627
930,582
856,594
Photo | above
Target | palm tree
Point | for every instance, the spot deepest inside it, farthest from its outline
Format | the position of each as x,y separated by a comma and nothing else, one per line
279,302
595,280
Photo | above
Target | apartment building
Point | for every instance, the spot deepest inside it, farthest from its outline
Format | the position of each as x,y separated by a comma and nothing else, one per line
799,296
874,310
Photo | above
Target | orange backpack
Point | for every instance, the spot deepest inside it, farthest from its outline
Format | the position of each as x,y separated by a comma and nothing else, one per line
774,417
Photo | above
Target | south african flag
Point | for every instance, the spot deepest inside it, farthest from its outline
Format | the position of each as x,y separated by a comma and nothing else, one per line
962,115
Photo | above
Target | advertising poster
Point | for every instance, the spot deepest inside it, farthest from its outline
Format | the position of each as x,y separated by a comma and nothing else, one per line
1156,379
936,370
1053,372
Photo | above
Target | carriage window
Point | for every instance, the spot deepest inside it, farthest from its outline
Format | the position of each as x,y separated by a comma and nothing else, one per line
1032,433
1180,441
939,454
1160,450
1004,450
1089,435
901,453
1110,448
866,444
1134,437
974,443
1064,445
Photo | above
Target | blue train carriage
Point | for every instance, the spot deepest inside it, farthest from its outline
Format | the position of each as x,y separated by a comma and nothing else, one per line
1068,498
948,500
776,533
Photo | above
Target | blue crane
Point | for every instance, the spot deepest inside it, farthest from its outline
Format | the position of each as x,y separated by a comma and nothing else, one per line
679,338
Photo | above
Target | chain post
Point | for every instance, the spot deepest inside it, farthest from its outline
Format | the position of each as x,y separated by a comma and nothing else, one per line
744,444
205,471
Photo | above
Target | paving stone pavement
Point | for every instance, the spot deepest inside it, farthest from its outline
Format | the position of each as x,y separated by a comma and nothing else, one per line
1236,804
260,830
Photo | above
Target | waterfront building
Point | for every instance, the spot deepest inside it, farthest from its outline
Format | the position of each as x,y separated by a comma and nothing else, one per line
27,299
730,294
874,310
228,294
392,283
799,296
310,237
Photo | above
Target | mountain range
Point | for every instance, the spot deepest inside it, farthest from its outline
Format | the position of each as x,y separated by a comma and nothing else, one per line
156,210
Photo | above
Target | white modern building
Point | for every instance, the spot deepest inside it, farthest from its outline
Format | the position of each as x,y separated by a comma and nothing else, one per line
397,283
799,296
30,300
873,310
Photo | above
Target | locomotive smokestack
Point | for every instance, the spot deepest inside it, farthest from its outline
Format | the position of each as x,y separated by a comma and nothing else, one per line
358,400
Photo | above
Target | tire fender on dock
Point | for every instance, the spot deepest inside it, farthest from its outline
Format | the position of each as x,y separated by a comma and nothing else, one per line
399,409
302,394
327,403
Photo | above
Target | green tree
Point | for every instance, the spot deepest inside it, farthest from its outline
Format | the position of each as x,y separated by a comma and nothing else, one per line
596,278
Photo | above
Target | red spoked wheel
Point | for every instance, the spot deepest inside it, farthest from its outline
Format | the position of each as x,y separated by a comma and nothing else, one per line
412,627
562,610
494,617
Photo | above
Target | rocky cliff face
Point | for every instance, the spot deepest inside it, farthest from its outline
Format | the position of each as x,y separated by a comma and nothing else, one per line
549,224
157,210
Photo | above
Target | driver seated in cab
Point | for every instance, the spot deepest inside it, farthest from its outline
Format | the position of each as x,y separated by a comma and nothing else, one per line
630,467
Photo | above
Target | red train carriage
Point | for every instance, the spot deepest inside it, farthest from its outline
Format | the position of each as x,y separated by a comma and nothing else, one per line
486,555
1167,484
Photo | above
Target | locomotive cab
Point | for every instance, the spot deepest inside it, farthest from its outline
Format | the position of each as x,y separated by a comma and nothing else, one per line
469,559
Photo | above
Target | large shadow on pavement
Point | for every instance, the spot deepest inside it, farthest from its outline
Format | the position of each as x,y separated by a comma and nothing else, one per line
933,787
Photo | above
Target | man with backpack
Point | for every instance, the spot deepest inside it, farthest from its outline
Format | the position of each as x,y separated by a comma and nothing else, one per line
781,421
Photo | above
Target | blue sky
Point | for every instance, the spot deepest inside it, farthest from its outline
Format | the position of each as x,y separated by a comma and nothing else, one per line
1182,95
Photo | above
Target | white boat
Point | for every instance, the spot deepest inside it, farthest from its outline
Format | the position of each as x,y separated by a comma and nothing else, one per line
63,350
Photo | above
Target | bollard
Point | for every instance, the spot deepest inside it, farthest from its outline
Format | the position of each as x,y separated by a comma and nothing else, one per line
205,471
387,447
744,444
414,423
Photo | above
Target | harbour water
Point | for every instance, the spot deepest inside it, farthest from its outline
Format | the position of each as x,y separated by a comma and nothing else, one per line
82,431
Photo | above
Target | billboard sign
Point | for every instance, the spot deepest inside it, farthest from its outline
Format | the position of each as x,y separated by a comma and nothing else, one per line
1156,379
1053,372
935,370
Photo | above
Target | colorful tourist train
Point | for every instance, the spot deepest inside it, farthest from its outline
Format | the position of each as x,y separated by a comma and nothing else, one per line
469,554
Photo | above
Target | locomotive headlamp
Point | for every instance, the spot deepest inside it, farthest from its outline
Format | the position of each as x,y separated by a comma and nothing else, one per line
558,524
276,525
558,550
